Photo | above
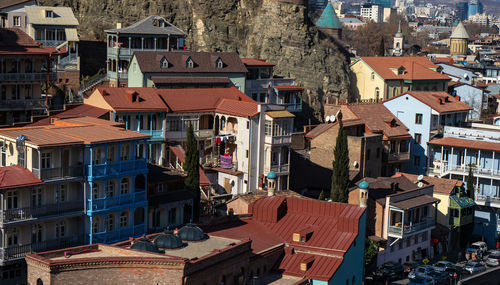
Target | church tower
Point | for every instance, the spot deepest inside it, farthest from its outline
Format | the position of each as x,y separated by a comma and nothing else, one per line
459,41
399,41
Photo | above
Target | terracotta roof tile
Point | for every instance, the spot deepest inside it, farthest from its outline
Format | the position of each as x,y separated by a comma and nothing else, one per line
378,118
16,176
416,68
321,128
465,143
121,99
256,62
83,110
16,42
204,62
237,108
321,268
441,185
440,101
188,79
181,155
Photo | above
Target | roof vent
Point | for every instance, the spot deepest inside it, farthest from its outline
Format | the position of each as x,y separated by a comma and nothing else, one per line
303,235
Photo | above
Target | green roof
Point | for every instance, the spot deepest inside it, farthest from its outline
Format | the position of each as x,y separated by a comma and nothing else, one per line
328,18
461,202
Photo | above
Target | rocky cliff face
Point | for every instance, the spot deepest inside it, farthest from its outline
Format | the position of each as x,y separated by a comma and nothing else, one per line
279,32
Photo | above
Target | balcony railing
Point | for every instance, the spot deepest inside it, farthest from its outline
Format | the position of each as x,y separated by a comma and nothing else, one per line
401,231
105,203
294,107
181,135
59,172
445,168
20,251
23,104
398,156
51,43
35,76
27,213
278,139
280,168
263,83
155,134
115,168
118,234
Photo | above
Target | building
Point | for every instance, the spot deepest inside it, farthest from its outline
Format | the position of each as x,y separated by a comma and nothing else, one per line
471,95
329,23
400,216
481,19
24,68
395,151
365,149
262,85
425,113
372,12
184,69
272,243
398,43
239,139
458,74
455,211
379,78
475,7
153,33
351,23
383,3
462,11
462,148
57,27
13,14
459,40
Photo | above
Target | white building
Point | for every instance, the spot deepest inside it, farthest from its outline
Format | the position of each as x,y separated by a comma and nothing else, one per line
373,12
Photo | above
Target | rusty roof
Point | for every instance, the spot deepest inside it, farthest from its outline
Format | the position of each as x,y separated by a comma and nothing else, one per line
83,110
415,202
321,128
441,185
439,101
16,42
256,62
378,118
465,143
131,99
204,62
415,68
16,176
322,267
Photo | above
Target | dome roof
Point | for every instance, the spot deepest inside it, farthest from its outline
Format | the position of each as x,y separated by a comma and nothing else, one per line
460,32
168,240
364,185
272,175
329,18
191,232
145,245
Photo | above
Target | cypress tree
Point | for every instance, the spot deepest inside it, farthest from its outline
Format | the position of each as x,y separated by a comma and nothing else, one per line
191,166
381,47
321,195
340,175
470,183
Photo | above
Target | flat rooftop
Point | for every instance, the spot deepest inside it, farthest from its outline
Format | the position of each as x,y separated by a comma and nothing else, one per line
202,248
94,251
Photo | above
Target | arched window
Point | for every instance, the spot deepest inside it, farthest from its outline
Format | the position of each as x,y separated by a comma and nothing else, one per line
110,192
39,281
377,93
111,222
219,63
95,191
189,63
398,45
164,63
124,217
373,76
124,186
96,224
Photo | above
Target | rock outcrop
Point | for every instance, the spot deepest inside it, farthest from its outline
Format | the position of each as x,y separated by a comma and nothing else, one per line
278,31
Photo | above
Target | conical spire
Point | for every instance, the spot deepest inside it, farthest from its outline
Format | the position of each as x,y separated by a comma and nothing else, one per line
399,34
329,18
460,32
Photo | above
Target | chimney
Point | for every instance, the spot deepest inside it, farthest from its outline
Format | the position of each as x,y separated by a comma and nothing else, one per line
118,25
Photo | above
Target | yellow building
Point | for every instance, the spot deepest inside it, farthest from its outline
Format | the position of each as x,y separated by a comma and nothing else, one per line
459,40
380,78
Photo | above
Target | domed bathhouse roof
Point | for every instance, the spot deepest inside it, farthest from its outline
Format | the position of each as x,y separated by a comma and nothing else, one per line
460,32
364,185
168,240
272,175
191,232
145,245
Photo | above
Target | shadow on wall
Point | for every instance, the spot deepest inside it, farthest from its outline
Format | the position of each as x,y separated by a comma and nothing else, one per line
92,57
308,178
353,89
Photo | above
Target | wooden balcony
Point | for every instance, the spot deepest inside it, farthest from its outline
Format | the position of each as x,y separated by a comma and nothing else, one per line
20,251
30,213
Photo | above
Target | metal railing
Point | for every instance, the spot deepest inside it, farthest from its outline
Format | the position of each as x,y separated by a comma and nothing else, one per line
107,202
398,156
51,43
59,172
35,76
445,168
155,134
118,234
85,86
115,168
263,83
401,231
23,104
27,213
280,168
20,251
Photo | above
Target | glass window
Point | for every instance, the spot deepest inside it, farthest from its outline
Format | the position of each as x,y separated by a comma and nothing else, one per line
268,127
61,193
16,21
36,197
96,224
125,152
418,138
418,119
111,222
12,237
111,153
110,191
36,235
124,186
60,229
12,200
124,220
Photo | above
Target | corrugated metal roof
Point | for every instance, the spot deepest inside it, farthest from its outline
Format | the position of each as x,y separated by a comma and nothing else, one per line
16,176
463,202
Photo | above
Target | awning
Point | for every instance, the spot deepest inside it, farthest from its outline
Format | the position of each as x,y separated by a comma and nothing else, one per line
71,35
280,114
415,202
462,202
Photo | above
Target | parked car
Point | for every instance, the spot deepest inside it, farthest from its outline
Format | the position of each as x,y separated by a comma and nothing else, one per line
409,266
479,248
456,272
421,281
420,271
493,259
389,271
442,265
473,267
440,277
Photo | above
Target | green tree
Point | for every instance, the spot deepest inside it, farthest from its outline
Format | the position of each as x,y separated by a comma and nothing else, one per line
321,195
371,250
191,166
340,175
470,183
381,47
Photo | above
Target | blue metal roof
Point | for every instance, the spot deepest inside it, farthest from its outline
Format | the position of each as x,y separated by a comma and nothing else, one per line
463,202
328,18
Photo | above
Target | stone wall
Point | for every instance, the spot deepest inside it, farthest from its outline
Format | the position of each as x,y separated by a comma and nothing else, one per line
280,32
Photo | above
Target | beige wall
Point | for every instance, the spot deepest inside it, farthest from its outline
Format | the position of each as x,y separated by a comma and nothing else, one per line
442,207
95,99
364,85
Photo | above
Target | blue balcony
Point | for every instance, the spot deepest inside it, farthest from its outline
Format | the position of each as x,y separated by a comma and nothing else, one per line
111,203
156,135
117,168
118,234
293,107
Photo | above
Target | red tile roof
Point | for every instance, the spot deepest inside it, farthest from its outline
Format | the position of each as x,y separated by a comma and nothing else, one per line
83,110
378,118
464,143
441,185
121,99
321,128
256,62
333,227
16,42
16,176
440,101
188,80
416,68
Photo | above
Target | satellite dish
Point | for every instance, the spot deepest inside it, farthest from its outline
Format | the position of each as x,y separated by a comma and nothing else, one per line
356,164
327,119
420,178
420,184
466,76
333,118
